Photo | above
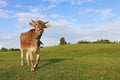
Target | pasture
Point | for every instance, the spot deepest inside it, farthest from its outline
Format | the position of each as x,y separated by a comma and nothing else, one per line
67,62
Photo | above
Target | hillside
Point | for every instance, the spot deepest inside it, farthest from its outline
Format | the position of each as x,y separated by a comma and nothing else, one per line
66,62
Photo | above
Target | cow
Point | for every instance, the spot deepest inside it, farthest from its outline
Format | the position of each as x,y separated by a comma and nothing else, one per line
30,42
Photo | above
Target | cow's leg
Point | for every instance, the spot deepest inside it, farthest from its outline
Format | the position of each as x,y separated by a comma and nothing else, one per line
27,58
37,58
31,60
21,57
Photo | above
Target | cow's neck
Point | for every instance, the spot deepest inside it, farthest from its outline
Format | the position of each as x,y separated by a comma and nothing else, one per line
38,36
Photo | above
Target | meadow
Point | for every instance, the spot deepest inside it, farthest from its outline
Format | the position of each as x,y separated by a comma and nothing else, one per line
66,62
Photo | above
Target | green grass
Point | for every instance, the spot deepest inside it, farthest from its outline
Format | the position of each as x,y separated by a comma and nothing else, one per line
68,62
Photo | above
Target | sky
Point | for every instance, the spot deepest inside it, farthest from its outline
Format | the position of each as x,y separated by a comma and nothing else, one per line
74,20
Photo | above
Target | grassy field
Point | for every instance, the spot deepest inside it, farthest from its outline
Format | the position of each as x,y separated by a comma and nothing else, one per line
69,62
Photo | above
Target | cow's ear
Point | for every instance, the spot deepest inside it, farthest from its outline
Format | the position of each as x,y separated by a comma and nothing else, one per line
47,26
31,24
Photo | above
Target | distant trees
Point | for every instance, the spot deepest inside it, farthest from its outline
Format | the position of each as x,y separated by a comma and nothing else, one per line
83,42
102,41
11,49
14,49
3,49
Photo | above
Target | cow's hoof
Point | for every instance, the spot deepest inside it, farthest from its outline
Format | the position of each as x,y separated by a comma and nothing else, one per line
32,70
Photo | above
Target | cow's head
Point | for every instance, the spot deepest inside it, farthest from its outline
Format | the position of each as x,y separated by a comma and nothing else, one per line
39,26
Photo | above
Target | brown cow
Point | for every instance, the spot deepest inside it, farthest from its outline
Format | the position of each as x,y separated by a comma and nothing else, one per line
30,41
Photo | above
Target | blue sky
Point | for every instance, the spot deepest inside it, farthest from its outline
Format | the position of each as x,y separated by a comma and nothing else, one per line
73,19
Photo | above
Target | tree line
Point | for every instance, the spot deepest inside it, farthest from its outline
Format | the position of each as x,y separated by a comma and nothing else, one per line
11,49
101,41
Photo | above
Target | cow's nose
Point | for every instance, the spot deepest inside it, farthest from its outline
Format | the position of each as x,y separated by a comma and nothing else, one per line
41,30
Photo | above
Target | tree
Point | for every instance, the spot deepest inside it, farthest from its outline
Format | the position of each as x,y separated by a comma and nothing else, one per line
3,49
62,41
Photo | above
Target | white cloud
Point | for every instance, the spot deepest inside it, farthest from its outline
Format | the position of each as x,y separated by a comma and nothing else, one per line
52,1
104,12
1,46
50,7
18,5
53,4
5,13
55,1
108,31
5,36
84,11
78,2
9,40
60,23
3,3
100,12
48,41
54,16
72,2
24,17
84,1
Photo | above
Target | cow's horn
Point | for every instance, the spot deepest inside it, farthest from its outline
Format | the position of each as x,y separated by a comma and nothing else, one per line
33,21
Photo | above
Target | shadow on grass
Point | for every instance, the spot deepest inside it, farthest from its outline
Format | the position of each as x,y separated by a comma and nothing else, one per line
52,61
